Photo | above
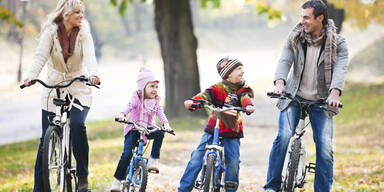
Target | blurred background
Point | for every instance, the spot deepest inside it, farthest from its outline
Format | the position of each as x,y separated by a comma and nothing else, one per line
181,41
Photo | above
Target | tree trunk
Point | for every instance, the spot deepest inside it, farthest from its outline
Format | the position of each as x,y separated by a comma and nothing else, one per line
178,49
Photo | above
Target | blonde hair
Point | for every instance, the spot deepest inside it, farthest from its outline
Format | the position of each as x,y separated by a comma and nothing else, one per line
63,9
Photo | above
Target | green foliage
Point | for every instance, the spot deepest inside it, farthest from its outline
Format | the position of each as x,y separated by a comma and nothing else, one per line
8,17
361,14
210,3
263,7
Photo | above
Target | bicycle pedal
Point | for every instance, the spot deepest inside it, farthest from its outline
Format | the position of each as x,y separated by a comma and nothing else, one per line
154,171
311,168
198,185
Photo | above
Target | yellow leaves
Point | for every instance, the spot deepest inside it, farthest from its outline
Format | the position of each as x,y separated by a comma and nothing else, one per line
263,7
361,12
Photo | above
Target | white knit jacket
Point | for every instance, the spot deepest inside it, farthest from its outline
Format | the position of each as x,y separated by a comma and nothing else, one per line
82,62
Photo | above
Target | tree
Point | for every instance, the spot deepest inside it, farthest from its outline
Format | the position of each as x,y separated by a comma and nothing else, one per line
361,12
7,16
173,23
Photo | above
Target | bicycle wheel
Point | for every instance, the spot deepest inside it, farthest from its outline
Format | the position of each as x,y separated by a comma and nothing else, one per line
139,178
208,184
53,171
292,166
220,179
70,176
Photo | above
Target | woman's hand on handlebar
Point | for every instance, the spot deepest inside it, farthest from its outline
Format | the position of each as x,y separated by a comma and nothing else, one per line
28,82
94,80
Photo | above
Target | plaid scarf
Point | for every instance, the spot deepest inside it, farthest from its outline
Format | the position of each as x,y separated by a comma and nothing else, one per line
329,33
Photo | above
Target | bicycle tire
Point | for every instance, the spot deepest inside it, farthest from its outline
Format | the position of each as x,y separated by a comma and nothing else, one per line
208,184
52,170
292,166
139,177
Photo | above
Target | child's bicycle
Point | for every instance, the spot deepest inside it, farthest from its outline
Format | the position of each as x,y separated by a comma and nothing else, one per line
294,169
213,169
58,172
137,170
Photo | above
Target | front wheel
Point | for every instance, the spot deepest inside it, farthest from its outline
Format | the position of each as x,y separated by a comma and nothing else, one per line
52,165
209,174
139,177
289,183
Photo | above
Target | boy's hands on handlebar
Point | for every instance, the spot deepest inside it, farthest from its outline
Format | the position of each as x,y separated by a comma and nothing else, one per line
250,108
188,103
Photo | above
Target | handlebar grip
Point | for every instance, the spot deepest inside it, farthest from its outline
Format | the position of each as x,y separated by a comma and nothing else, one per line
171,132
22,86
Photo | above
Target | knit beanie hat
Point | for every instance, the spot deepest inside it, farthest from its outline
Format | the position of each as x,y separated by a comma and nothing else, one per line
226,65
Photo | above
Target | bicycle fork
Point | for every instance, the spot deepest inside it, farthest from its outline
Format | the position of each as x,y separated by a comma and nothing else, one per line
301,171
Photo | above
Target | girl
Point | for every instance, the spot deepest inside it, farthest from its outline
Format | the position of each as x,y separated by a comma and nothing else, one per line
143,105
66,45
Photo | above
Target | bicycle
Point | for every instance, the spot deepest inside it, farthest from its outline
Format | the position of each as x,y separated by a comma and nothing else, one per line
137,170
58,171
294,170
213,169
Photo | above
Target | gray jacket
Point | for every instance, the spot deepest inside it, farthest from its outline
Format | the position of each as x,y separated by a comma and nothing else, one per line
296,57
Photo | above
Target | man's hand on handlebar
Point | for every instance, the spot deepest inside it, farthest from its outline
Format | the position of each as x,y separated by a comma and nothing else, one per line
279,86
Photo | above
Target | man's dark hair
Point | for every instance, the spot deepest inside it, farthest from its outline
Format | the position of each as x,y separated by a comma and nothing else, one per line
319,8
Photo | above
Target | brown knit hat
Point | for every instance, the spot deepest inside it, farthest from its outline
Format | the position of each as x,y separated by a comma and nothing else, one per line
226,65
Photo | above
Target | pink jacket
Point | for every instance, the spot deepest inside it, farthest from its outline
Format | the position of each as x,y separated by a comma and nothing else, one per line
143,110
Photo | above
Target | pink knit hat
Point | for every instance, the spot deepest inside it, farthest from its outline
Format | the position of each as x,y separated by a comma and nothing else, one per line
145,76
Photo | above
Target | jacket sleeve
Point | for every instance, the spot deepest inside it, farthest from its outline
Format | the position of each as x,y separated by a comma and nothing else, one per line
42,53
206,95
130,105
160,114
246,97
89,50
284,64
341,66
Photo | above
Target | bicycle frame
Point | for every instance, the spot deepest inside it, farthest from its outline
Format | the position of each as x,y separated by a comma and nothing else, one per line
299,178
60,120
138,155
215,148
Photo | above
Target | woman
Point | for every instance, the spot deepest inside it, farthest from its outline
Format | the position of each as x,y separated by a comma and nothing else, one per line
66,45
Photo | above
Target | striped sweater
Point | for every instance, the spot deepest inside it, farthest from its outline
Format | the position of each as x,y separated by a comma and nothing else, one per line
217,95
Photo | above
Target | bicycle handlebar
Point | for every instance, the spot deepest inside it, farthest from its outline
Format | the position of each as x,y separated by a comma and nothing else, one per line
80,78
210,106
286,95
144,129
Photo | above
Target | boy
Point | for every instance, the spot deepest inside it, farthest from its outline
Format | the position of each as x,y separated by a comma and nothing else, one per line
232,90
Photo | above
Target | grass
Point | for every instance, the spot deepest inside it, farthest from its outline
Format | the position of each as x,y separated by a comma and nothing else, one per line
106,144
358,151
358,140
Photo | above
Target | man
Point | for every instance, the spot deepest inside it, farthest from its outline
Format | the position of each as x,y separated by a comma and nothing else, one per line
319,60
